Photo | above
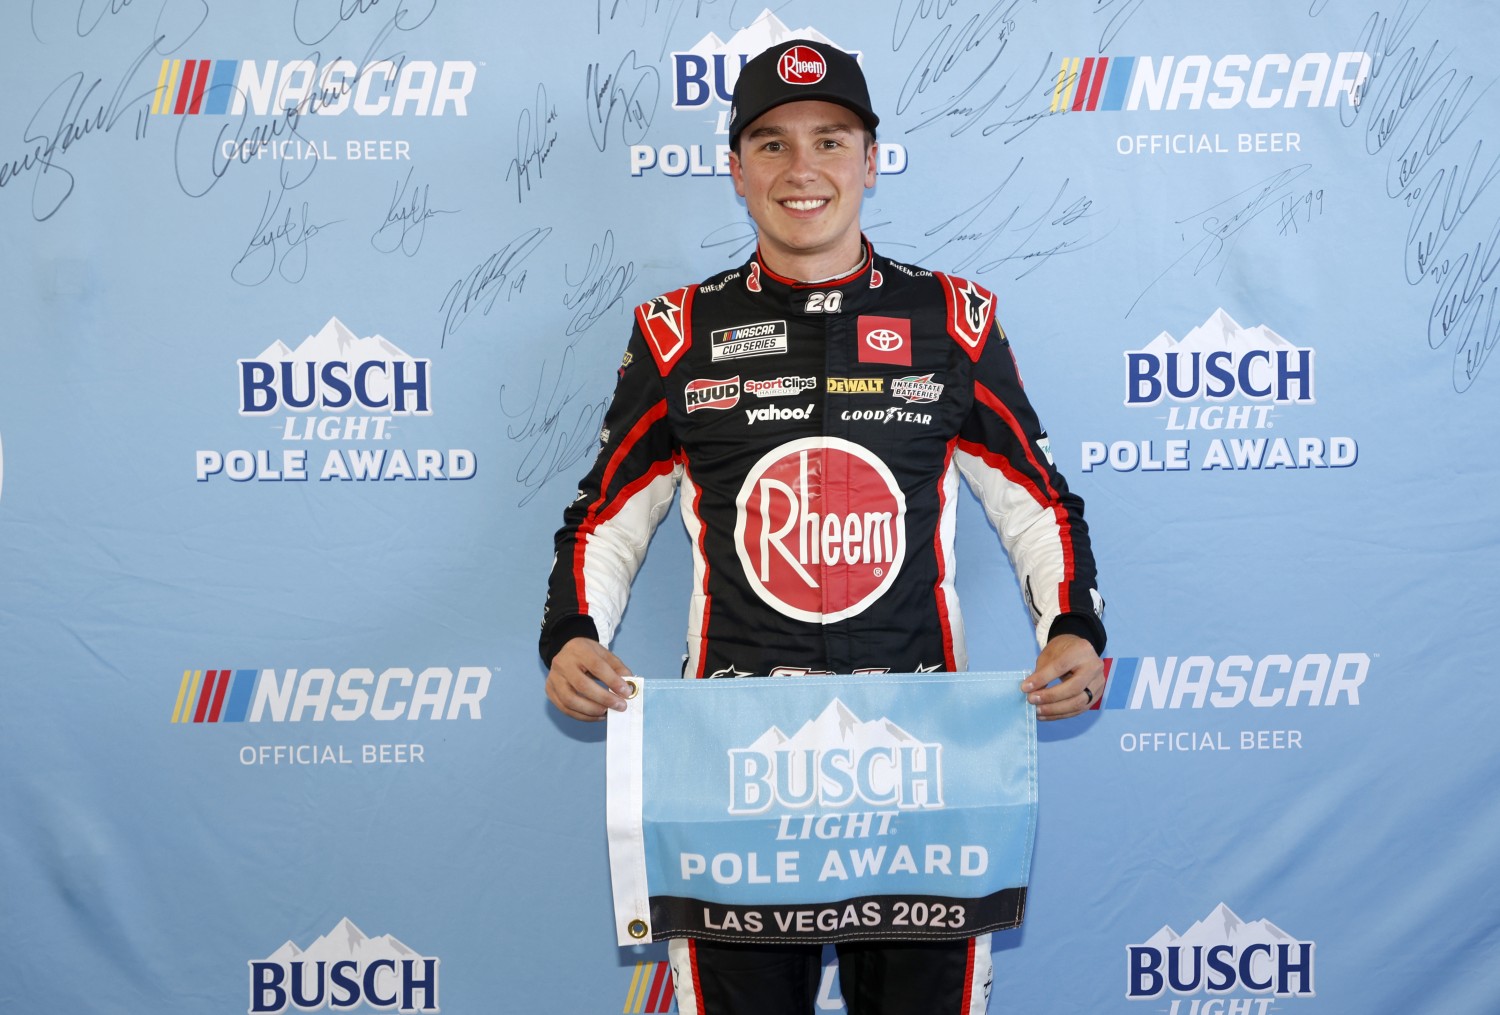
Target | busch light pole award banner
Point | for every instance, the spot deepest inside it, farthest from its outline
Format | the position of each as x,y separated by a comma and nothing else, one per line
824,808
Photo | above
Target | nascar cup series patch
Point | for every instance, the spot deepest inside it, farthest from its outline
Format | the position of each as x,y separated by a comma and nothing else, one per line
817,809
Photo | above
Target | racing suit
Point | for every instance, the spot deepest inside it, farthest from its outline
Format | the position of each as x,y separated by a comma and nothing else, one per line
816,432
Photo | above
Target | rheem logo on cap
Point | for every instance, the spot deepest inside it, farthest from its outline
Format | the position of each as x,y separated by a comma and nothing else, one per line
801,65
821,529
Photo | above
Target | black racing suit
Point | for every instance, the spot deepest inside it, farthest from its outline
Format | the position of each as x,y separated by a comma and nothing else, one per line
817,432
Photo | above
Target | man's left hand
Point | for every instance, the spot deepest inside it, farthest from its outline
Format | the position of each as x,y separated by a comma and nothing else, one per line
1069,678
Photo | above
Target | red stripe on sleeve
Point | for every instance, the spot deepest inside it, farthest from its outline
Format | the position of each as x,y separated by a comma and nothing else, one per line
632,437
944,622
708,602
1045,494
606,506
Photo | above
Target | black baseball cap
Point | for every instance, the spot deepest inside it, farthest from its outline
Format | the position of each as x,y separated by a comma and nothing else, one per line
793,71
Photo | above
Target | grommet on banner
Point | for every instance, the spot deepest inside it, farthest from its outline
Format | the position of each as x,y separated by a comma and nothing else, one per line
638,929
635,687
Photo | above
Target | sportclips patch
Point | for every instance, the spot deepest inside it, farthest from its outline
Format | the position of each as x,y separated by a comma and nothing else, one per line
815,809
764,339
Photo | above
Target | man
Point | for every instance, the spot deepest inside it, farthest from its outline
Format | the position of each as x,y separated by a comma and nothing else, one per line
815,406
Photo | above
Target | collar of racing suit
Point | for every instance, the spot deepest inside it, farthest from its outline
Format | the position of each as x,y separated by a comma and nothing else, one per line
855,284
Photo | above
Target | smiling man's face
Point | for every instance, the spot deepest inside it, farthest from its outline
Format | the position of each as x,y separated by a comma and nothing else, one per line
803,168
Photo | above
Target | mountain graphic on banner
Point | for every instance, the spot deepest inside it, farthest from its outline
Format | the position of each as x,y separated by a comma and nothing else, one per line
1220,332
1222,926
836,725
761,34
345,941
335,342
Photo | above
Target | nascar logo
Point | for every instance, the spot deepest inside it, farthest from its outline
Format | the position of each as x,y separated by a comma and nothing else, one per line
216,87
763,339
1198,681
1102,83
236,696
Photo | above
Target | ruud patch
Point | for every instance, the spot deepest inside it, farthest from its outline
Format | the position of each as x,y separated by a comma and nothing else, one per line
764,339
706,393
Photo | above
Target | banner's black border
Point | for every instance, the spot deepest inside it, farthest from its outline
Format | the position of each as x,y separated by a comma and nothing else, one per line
675,916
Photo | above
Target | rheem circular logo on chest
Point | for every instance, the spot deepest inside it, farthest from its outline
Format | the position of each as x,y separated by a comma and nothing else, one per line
820,529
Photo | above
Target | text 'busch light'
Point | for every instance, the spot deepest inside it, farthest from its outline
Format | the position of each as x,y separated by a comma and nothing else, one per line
400,386
1280,375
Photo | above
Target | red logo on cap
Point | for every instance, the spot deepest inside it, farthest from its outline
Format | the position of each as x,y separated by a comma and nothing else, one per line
801,65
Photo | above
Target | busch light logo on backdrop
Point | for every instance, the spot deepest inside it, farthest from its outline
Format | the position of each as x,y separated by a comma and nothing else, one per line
335,371
703,79
1220,376
877,764
1220,361
335,388
344,970
1225,959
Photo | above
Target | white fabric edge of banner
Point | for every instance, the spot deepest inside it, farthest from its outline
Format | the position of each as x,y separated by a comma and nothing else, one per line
1034,777
624,745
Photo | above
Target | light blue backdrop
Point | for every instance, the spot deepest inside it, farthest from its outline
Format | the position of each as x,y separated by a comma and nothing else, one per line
1298,730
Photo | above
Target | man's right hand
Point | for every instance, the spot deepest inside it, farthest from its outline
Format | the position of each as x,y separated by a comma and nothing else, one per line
586,680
